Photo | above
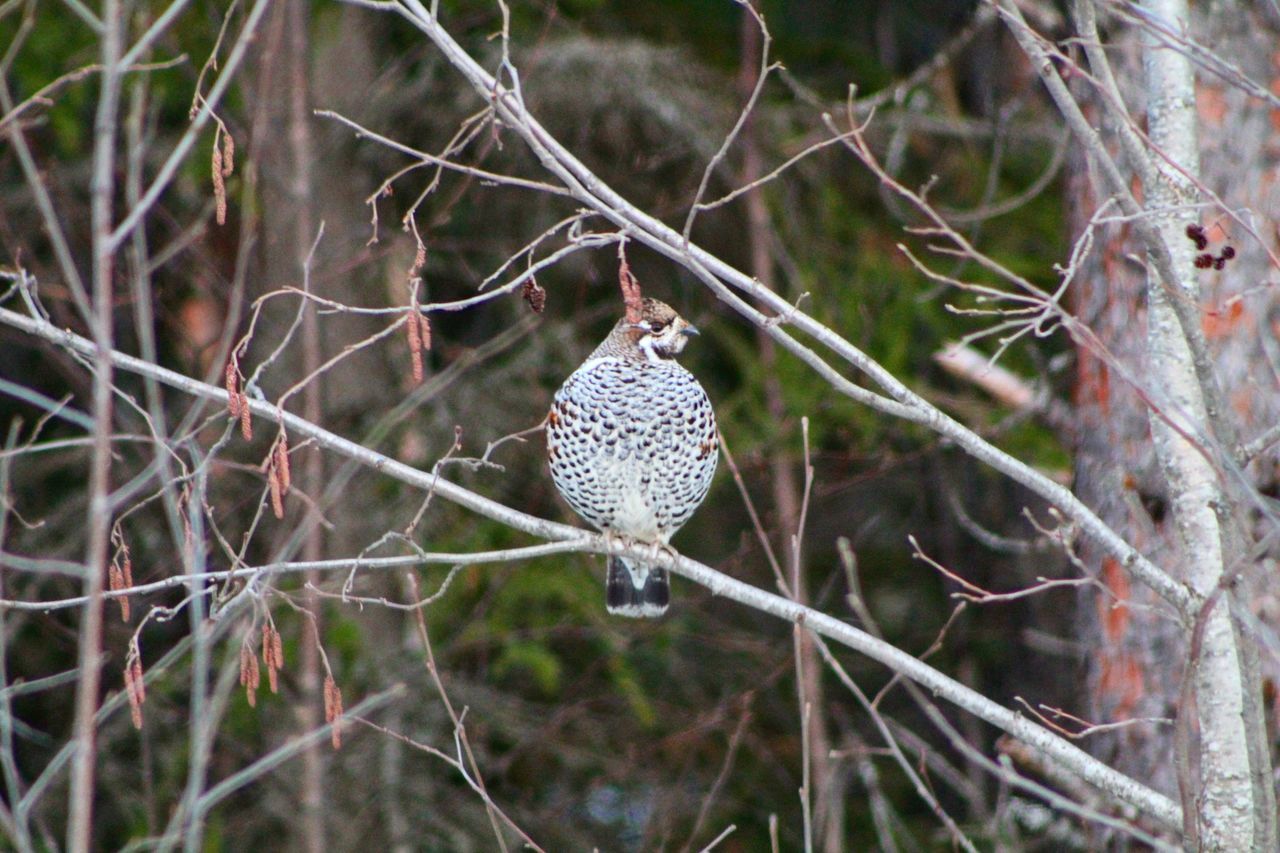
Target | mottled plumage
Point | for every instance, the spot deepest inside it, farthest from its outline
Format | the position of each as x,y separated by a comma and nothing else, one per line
631,441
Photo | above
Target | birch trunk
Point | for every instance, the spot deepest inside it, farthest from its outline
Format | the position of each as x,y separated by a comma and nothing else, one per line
1180,504
1226,815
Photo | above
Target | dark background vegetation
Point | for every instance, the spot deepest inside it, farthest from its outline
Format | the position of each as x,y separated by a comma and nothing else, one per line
590,730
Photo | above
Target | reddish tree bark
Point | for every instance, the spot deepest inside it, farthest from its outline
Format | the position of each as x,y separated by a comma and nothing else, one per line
1134,653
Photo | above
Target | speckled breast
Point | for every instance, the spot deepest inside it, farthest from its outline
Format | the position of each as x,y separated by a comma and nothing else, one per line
632,445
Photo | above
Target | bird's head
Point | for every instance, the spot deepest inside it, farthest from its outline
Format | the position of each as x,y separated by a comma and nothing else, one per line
660,332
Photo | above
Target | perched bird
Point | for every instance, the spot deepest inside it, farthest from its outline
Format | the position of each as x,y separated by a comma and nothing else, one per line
631,441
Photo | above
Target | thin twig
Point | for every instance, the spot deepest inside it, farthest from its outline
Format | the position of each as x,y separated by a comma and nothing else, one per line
922,790
743,116
457,765
475,779
1117,785
724,280
735,740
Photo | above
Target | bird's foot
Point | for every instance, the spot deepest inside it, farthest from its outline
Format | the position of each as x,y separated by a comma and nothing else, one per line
663,548
616,543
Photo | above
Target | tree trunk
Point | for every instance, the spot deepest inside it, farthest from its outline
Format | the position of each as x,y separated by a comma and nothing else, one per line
1181,506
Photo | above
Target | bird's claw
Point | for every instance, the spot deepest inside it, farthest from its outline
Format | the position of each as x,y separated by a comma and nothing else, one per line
616,543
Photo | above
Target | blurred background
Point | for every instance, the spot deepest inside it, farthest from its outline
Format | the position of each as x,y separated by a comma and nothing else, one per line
590,731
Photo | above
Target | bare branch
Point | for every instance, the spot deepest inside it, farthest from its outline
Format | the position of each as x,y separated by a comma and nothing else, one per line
1116,785
715,273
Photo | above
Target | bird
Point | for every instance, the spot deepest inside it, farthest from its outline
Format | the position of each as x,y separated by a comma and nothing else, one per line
632,447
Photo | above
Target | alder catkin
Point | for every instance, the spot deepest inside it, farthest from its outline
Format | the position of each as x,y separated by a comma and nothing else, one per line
219,187
139,684
282,463
272,655
135,706
425,331
333,710
249,674
277,501
267,648
233,390
415,345
228,155
115,583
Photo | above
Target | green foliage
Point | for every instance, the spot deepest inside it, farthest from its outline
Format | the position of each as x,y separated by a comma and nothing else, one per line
344,640
532,659
56,44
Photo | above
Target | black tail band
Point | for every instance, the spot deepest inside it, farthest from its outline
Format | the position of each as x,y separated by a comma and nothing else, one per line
628,592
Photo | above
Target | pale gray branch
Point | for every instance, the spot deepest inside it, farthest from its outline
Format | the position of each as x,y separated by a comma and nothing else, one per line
720,277
1051,746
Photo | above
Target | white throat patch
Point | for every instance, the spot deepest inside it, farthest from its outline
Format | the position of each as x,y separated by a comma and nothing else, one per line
646,346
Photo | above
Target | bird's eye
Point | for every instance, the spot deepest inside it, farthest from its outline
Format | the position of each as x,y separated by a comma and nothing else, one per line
657,325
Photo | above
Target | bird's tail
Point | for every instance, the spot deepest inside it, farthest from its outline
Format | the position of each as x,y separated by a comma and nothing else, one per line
636,591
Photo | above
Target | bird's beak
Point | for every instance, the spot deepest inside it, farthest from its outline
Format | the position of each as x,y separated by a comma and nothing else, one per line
690,331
